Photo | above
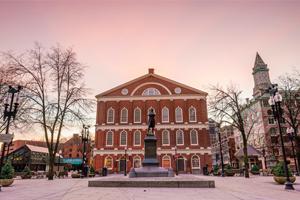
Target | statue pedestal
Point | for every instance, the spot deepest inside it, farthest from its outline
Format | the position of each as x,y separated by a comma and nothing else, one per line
150,163
150,158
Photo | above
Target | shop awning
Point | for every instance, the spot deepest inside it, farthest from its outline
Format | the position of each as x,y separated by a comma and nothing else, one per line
73,161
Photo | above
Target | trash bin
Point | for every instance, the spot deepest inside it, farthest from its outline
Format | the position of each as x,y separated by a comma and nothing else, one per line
104,171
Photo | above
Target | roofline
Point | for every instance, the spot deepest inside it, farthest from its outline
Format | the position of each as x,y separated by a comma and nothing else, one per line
156,76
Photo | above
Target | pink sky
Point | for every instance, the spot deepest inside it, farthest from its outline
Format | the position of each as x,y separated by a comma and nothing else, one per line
194,42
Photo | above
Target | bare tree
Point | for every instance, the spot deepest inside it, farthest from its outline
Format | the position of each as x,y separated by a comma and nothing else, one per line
290,89
54,91
227,106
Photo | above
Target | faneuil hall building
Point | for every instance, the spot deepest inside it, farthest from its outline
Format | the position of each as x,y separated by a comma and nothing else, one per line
181,125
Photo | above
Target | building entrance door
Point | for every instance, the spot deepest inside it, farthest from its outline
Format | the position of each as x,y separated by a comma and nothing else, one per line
180,164
122,165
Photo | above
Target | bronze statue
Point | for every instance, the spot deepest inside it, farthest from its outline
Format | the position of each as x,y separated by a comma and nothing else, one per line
151,122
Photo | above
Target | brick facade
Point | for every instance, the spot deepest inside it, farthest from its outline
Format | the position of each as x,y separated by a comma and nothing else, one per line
171,95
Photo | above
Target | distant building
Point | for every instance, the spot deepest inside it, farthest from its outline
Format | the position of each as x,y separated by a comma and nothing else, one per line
72,151
228,147
35,157
265,134
181,125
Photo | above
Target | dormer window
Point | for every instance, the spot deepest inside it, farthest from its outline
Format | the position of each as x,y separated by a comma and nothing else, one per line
151,92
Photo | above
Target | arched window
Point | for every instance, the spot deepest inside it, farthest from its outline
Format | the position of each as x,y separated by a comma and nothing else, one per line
137,115
165,114
194,137
195,162
109,138
151,92
166,161
137,138
137,162
110,115
179,137
124,115
165,137
123,138
272,131
108,162
192,114
178,115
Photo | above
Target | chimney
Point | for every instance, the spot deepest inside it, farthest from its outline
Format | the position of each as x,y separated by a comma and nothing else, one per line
151,71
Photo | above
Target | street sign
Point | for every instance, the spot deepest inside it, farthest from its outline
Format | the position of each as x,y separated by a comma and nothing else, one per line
6,138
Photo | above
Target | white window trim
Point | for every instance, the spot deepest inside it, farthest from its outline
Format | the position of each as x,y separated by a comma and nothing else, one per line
140,120
192,162
137,145
112,136
112,116
191,137
162,115
162,139
123,145
182,137
137,158
112,161
169,158
126,116
192,107
181,113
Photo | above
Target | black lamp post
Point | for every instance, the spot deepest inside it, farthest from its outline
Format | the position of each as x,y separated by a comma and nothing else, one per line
125,155
10,111
275,102
176,161
84,138
221,151
291,134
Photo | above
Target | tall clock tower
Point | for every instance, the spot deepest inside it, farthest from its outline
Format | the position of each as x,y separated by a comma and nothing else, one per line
261,77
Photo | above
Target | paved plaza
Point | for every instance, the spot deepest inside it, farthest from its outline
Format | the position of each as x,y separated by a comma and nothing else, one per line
231,188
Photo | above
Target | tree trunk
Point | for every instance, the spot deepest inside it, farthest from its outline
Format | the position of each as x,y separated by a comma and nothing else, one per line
51,167
246,161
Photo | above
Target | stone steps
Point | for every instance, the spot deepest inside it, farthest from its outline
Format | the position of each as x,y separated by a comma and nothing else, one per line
157,182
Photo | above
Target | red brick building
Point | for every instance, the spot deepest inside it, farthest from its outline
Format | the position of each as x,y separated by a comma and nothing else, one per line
181,125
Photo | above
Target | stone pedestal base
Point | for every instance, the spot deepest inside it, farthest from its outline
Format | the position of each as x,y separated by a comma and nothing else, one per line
150,171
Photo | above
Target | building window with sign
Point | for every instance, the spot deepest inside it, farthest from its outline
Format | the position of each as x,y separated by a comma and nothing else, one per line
108,162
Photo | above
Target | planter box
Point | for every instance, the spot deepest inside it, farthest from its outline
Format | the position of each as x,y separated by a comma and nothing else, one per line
26,177
229,173
255,172
282,180
6,182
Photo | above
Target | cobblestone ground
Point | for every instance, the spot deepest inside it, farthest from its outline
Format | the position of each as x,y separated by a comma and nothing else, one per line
231,188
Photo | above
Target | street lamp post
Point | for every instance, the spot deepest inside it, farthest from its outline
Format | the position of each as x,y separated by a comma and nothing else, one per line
275,102
265,158
176,161
84,138
125,155
10,111
291,134
221,151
